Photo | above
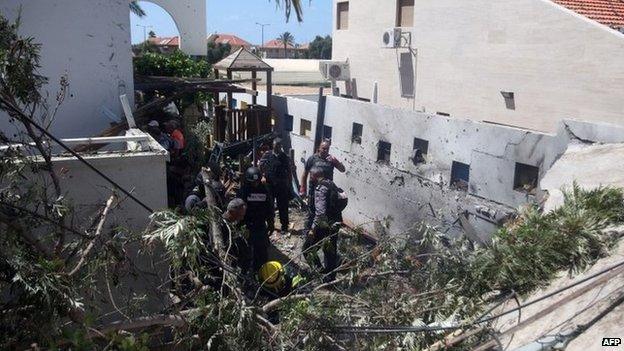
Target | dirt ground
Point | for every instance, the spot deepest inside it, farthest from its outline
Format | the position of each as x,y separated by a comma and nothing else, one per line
287,247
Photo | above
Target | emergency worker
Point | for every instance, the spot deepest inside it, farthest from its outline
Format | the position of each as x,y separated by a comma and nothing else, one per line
275,165
259,215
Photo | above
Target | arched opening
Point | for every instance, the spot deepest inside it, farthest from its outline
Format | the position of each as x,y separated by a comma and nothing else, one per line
156,31
184,19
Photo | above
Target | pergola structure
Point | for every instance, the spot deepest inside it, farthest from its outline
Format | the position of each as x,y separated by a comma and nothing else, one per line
233,124
242,60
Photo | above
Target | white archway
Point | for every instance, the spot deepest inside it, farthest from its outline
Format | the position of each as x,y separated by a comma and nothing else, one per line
190,18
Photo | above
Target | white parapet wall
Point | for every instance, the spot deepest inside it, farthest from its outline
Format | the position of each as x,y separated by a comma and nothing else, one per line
136,162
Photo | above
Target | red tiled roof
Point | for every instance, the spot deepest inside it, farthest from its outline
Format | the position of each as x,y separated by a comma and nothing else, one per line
276,44
608,12
231,39
165,41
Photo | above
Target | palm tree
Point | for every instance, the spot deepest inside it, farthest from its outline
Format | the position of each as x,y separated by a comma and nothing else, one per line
290,5
136,9
286,39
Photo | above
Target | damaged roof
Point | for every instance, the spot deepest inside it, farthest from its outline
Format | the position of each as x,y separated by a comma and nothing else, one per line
607,12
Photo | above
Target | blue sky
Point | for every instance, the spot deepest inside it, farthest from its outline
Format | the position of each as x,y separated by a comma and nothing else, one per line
239,17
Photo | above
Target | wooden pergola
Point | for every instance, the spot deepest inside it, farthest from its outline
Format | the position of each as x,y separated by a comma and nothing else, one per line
233,124
242,60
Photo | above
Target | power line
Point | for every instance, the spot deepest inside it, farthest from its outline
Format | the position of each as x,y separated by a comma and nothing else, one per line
413,329
81,159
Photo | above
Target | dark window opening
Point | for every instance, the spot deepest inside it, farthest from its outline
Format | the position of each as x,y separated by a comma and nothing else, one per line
443,114
510,99
460,175
420,149
405,13
526,178
327,132
383,152
288,123
342,16
356,133
305,129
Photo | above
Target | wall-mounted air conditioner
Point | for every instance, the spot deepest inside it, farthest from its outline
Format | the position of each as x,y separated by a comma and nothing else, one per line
335,70
396,38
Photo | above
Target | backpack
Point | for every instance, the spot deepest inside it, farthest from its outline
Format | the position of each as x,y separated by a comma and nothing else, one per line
338,199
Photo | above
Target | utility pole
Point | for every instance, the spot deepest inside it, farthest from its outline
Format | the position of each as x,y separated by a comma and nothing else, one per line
144,31
262,25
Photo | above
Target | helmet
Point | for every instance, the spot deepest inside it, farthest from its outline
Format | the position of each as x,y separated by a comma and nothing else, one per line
252,174
272,275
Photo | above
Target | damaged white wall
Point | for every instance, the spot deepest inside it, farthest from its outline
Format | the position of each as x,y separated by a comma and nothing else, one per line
89,42
410,193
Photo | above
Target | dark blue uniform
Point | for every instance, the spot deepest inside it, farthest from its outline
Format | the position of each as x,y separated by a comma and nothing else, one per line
259,211
276,169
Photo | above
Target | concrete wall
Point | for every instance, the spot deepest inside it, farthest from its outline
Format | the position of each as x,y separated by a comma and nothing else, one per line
409,193
89,41
558,63
190,18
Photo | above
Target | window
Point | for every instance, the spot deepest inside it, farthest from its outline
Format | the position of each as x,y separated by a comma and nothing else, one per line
406,75
526,178
422,145
327,132
305,129
342,15
288,123
405,13
510,99
383,152
460,175
356,134
443,114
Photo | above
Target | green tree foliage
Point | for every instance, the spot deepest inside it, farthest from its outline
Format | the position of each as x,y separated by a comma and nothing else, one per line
286,39
136,9
216,52
152,34
321,48
176,64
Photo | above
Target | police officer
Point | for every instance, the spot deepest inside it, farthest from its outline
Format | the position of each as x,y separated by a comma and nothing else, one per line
326,163
259,215
325,225
275,165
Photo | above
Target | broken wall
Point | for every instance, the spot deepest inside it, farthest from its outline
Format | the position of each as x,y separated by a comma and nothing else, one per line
496,156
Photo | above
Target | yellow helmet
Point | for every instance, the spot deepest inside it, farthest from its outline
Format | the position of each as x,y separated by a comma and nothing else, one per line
271,275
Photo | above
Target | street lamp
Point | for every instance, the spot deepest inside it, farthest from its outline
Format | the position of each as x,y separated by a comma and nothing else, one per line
144,31
262,25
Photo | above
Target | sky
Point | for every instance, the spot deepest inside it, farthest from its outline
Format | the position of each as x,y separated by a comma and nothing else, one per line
239,17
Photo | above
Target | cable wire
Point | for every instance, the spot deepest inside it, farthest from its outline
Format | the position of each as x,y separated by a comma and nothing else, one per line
89,165
413,329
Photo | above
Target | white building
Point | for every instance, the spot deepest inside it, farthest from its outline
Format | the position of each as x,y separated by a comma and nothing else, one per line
527,63
88,41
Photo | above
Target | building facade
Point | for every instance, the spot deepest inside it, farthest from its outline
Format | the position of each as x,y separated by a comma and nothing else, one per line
527,63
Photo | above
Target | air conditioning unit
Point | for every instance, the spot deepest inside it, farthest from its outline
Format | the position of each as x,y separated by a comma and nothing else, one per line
335,70
396,38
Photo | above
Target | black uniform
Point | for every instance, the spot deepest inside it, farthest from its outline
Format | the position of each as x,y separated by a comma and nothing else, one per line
328,172
323,226
259,212
276,168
